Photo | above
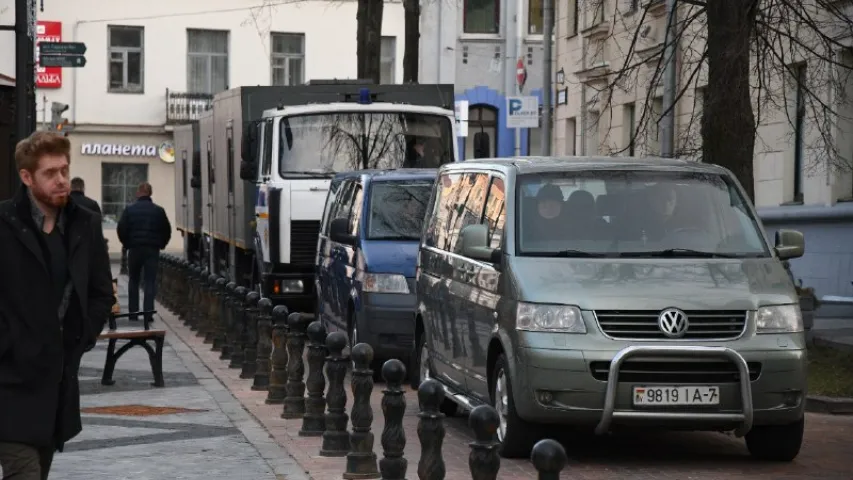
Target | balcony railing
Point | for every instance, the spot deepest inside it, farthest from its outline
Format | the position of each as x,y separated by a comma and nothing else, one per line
183,107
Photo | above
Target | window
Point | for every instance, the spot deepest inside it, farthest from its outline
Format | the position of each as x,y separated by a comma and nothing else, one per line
799,131
482,139
450,190
481,16
535,17
594,12
397,209
572,18
571,136
126,49
653,127
388,60
591,135
119,182
629,127
355,215
343,207
468,210
207,61
288,59
633,6
334,188
495,215
534,141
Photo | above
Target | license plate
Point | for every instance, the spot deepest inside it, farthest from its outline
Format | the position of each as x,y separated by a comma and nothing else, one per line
672,395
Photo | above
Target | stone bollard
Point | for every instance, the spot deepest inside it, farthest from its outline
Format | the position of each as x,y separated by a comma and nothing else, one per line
209,309
264,346
361,461
313,422
335,438
484,460
216,335
278,358
549,458
431,430
393,465
294,402
238,338
250,350
226,314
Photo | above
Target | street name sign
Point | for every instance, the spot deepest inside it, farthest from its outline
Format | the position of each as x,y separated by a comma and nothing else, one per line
65,61
63,48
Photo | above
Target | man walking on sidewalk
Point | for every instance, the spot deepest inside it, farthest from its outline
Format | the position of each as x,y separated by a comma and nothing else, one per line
78,194
55,296
144,230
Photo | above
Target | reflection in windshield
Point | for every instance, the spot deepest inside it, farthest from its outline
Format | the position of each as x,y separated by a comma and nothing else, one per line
397,209
635,214
342,142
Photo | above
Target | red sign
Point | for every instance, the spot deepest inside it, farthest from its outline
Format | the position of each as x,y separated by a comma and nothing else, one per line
48,77
520,73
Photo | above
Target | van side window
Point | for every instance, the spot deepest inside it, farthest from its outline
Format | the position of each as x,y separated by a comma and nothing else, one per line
495,216
469,210
330,204
343,206
355,216
447,191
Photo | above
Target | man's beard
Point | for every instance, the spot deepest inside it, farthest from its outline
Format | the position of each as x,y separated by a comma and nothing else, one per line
55,201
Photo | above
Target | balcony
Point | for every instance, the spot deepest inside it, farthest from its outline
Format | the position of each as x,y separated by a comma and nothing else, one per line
183,107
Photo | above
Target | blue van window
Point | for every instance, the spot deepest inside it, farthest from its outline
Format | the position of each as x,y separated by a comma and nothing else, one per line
496,212
355,214
469,209
448,191
397,209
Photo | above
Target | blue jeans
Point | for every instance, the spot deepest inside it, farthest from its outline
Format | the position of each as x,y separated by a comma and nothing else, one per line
142,261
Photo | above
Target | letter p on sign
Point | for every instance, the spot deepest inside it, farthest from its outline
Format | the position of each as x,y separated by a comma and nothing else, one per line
515,105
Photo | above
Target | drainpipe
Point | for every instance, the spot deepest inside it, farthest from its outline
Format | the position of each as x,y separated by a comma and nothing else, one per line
547,76
519,53
74,77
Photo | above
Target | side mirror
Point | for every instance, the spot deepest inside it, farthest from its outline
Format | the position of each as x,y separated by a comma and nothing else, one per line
790,244
475,243
339,231
248,171
195,182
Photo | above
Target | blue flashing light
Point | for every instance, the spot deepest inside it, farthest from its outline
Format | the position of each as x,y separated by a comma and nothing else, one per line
364,96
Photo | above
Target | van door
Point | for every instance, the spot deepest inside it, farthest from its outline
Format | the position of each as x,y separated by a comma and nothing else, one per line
322,279
338,284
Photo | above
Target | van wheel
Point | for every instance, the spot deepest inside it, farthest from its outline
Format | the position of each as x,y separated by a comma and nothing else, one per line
420,367
516,435
776,443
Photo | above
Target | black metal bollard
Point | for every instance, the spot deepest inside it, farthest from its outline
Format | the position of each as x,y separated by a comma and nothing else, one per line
212,312
181,290
549,458
200,312
197,297
250,350
313,422
238,338
209,309
264,346
226,317
361,461
393,465
190,298
278,358
335,438
216,334
484,459
164,277
431,430
294,402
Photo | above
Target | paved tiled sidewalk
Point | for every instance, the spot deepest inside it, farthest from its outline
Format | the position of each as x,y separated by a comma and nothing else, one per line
215,439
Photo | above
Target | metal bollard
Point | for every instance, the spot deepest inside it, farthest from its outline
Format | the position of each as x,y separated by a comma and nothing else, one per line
201,300
238,337
294,402
250,351
549,458
431,430
335,438
277,389
393,465
215,334
484,459
264,345
361,461
313,422
226,315
210,310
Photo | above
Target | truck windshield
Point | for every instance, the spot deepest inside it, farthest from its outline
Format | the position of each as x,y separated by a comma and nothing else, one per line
635,214
347,141
397,209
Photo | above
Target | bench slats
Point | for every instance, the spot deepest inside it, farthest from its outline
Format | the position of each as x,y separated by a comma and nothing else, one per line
131,333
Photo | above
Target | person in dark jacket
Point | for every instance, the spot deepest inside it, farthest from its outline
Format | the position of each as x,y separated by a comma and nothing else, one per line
55,297
144,229
78,195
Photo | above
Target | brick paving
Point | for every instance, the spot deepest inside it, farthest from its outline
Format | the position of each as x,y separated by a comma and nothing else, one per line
665,455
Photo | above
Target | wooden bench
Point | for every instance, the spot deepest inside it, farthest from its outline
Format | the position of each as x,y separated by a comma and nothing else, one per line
135,338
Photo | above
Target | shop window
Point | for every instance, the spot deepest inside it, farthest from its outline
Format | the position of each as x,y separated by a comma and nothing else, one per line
119,183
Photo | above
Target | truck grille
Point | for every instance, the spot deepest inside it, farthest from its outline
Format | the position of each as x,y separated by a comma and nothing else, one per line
643,324
675,372
303,241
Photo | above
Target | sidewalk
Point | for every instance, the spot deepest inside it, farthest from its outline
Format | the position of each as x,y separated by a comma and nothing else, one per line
191,429
833,332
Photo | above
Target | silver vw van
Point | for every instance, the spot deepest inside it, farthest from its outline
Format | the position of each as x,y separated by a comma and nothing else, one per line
610,293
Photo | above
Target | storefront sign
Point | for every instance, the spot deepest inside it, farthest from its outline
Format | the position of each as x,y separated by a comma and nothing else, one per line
165,151
48,77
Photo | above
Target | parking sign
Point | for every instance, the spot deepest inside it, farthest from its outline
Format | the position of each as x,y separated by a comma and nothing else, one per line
522,112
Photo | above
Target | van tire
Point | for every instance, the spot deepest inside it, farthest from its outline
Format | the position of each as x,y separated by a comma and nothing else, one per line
776,443
520,435
448,407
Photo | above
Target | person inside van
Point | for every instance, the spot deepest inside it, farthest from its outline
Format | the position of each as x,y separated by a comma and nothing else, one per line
548,224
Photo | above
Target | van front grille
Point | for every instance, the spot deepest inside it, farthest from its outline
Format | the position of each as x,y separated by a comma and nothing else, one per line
303,241
675,372
643,324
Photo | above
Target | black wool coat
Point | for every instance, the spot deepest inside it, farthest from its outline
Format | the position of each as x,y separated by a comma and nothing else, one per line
39,355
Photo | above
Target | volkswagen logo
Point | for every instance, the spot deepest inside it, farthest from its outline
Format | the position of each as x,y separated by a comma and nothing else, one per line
673,323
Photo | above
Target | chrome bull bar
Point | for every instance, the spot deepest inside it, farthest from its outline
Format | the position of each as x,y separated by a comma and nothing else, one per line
609,413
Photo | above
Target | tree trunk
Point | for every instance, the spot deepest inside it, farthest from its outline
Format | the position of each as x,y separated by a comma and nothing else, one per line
728,122
413,40
369,38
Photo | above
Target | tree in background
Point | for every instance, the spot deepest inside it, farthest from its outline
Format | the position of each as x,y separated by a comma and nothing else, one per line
413,40
369,38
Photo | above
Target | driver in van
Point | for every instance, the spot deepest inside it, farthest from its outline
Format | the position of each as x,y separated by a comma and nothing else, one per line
548,224
415,152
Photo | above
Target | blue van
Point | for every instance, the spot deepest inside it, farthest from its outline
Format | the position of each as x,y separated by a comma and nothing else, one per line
366,256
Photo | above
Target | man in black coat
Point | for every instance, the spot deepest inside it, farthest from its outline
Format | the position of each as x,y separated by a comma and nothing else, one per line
78,195
55,296
144,229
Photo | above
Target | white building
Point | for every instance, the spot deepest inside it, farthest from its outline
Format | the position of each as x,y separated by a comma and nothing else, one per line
155,63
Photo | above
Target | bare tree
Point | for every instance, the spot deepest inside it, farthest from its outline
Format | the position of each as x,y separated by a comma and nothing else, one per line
369,38
739,61
411,50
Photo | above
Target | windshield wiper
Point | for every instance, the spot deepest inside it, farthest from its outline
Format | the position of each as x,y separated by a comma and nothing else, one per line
394,237
308,172
567,254
677,252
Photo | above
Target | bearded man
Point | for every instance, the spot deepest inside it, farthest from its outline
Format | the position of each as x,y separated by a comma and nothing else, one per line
55,296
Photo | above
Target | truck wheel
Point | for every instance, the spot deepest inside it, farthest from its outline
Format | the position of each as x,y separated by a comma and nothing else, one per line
776,443
516,435
420,367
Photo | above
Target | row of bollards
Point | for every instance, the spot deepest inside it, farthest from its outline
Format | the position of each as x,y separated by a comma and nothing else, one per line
267,344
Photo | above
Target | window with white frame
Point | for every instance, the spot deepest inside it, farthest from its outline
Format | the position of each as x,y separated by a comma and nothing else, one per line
481,16
388,60
288,58
119,182
207,61
126,48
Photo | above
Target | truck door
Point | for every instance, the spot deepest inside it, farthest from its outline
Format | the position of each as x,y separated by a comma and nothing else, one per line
262,210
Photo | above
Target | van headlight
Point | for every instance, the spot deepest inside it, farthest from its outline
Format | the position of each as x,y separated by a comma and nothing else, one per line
779,319
535,317
384,283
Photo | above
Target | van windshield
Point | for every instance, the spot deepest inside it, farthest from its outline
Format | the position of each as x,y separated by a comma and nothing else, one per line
328,143
397,209
635,214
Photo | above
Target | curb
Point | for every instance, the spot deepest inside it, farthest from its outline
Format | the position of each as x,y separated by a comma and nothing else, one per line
829,405
825,342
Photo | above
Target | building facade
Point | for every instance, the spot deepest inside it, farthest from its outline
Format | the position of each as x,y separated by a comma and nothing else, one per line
478,45
155,64
609,102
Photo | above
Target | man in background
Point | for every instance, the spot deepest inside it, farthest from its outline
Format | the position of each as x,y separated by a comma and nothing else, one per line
78,195
144,230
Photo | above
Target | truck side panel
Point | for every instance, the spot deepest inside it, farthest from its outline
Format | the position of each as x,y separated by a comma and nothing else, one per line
183,138
205,124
